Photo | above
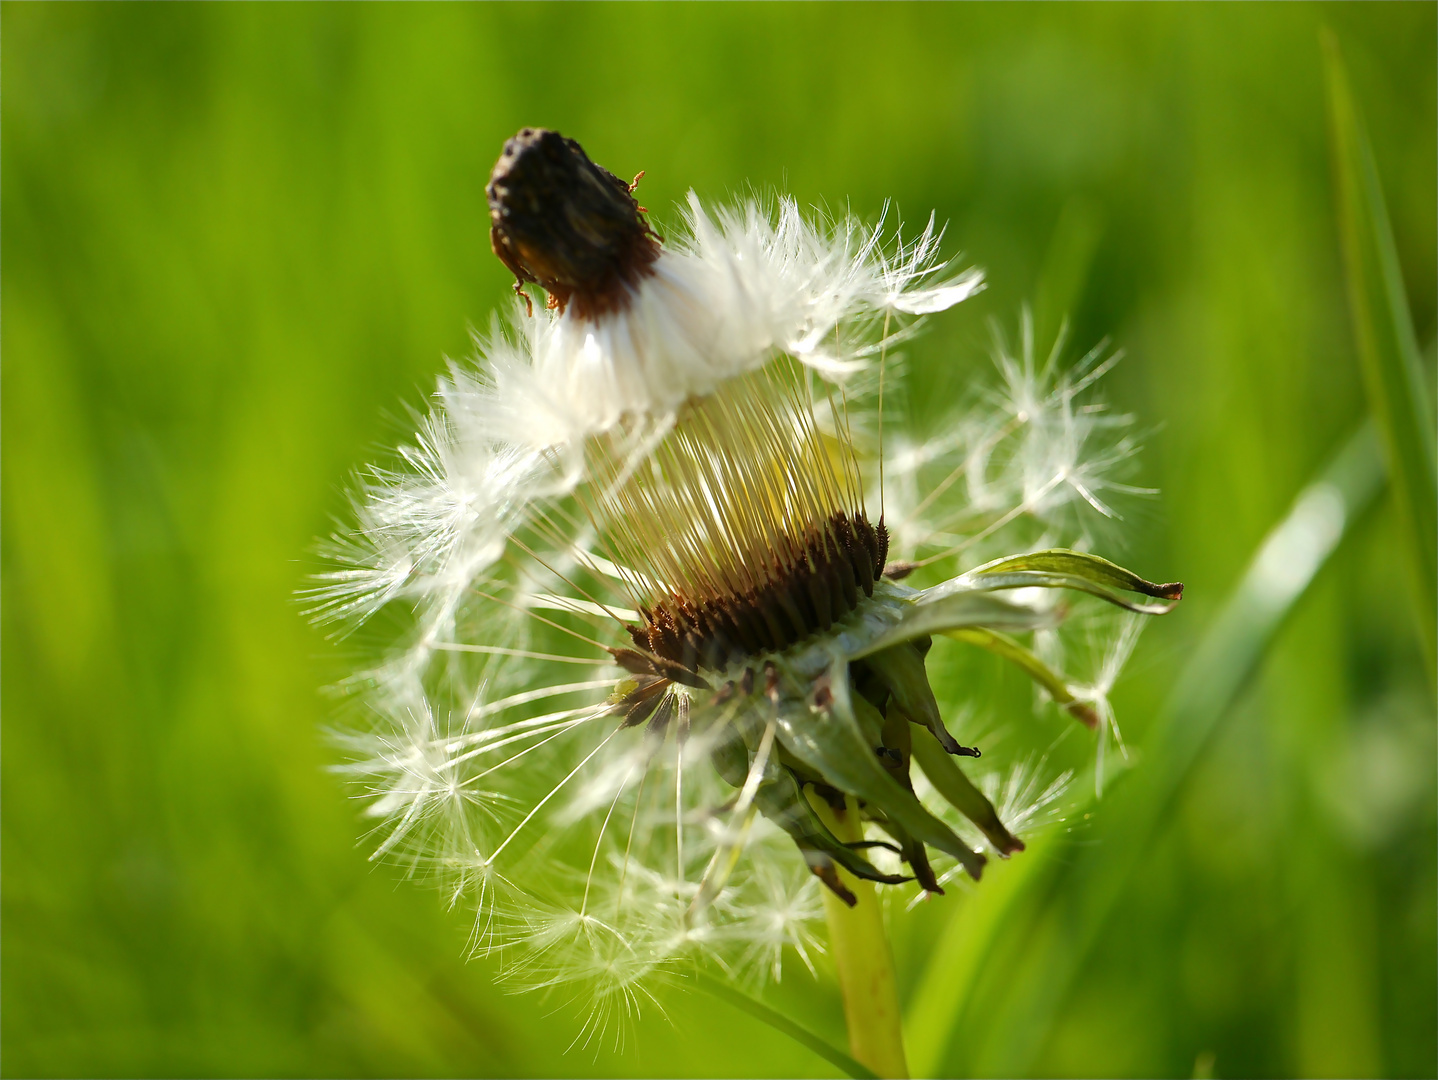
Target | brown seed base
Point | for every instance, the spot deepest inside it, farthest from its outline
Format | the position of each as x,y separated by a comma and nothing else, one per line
806,585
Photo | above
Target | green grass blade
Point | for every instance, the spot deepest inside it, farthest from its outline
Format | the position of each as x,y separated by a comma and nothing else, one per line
757,1009
1091,877
1383,330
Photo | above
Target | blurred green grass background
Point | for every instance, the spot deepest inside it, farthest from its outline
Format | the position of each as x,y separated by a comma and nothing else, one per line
237,240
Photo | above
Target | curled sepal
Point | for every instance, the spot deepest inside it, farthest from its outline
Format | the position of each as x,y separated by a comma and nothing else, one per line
950,782
782,802
901,668
913,853
831,741
1064,569
938,613
898,740
768,787
1053,683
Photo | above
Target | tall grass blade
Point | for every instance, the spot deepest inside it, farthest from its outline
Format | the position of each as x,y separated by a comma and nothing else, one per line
1387,347
757,1009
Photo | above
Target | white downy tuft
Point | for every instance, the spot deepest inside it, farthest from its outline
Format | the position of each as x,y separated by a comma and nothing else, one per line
1037,462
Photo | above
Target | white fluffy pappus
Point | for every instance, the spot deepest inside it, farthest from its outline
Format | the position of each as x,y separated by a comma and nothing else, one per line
1037,458
735,289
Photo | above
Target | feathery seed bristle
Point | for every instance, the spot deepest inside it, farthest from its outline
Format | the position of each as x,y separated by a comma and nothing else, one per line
744,526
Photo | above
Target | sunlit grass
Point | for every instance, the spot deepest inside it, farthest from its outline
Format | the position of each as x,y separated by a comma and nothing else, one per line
234,237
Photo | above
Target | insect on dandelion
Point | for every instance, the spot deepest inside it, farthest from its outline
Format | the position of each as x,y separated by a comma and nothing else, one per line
659,686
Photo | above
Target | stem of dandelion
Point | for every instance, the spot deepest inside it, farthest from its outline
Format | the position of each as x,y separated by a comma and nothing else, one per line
862,957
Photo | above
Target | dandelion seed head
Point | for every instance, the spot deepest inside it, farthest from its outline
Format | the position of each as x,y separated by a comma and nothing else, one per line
651,618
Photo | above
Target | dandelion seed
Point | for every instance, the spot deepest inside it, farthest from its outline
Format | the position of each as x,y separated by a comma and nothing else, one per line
657,473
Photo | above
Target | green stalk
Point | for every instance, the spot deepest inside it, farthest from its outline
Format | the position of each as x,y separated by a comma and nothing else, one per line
1387,346
862,957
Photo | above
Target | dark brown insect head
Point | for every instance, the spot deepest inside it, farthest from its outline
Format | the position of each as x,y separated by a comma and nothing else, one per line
567,225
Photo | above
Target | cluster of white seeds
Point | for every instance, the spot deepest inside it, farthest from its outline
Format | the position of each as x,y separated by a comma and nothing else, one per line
539,508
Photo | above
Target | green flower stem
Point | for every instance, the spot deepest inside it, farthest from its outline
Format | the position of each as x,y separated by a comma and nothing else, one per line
1387,345
863,959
